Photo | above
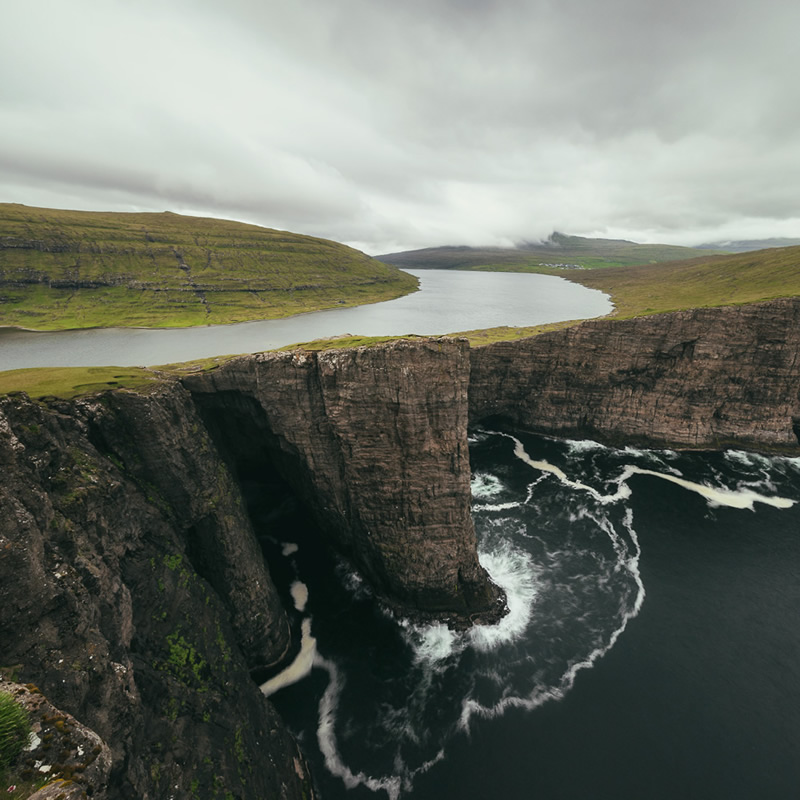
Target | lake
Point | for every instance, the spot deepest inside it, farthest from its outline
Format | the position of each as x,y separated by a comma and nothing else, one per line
448,302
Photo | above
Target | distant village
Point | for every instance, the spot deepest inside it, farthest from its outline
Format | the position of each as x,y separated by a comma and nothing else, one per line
563,266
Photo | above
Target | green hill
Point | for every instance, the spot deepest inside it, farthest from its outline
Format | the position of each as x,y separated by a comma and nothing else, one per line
699,282
559,251
81,269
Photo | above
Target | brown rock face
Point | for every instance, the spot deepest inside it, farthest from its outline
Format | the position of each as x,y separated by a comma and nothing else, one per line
705,378
373,440
107,506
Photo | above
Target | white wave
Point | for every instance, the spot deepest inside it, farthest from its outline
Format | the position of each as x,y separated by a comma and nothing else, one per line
484,485
763,462
542,692
584,445
432,643
497,506
299,592
622,493
513,571
740,498
326,736
288,548
299,668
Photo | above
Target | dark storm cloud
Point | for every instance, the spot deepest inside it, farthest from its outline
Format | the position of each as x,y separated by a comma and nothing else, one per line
394,125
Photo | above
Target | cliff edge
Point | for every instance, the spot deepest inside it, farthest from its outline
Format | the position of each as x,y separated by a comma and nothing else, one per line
706,378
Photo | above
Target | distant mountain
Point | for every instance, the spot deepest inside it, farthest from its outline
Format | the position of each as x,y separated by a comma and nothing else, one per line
747,245
558,251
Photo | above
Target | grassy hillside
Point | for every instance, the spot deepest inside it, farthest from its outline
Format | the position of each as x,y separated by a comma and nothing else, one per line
80,269
700,282
558,252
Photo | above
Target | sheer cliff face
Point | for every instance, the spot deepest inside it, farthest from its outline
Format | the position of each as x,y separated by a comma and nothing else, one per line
705,378
374,441
107,607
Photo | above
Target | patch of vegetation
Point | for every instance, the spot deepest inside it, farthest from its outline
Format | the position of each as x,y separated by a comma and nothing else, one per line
68,382
336,342
699,283
80,269
15,728
185,662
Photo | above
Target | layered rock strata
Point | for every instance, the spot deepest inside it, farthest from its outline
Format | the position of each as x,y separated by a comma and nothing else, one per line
707,378
374,442
132,587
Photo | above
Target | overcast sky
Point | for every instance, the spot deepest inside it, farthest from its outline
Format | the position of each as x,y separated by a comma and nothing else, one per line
394,124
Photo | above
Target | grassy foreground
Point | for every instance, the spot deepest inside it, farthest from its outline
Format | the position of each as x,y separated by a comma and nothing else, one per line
82,269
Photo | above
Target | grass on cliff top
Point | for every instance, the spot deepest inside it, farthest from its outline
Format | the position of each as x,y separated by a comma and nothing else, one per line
705,282
69,382
336,342
81,269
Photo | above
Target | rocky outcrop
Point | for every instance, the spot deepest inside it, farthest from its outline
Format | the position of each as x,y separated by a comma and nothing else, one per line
132,587
374,442
58,745
108,504
706,378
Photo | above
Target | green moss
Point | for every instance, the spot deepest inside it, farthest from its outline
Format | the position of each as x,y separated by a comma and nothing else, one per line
173,562
15,728
184,662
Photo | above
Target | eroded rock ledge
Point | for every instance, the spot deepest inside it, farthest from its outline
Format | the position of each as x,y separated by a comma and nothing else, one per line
133,590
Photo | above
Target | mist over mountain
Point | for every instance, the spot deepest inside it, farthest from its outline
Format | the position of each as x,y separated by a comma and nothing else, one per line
559,250
746,245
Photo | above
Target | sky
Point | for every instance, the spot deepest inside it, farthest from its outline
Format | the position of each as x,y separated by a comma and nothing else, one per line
396,124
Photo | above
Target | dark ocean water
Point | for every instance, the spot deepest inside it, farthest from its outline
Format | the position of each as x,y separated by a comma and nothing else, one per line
652,649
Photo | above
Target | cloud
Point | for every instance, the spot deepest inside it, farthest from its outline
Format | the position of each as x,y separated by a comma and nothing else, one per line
394,125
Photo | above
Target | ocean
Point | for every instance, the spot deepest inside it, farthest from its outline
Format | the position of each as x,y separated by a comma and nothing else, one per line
651,650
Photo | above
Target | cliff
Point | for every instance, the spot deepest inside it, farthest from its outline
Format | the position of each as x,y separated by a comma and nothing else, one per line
707,378
133,591
113,509
373,441
132,586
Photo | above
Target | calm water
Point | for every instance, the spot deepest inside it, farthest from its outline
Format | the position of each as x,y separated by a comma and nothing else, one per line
447,302
652,649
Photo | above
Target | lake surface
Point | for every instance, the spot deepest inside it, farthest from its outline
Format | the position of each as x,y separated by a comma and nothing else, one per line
652,649
448,302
